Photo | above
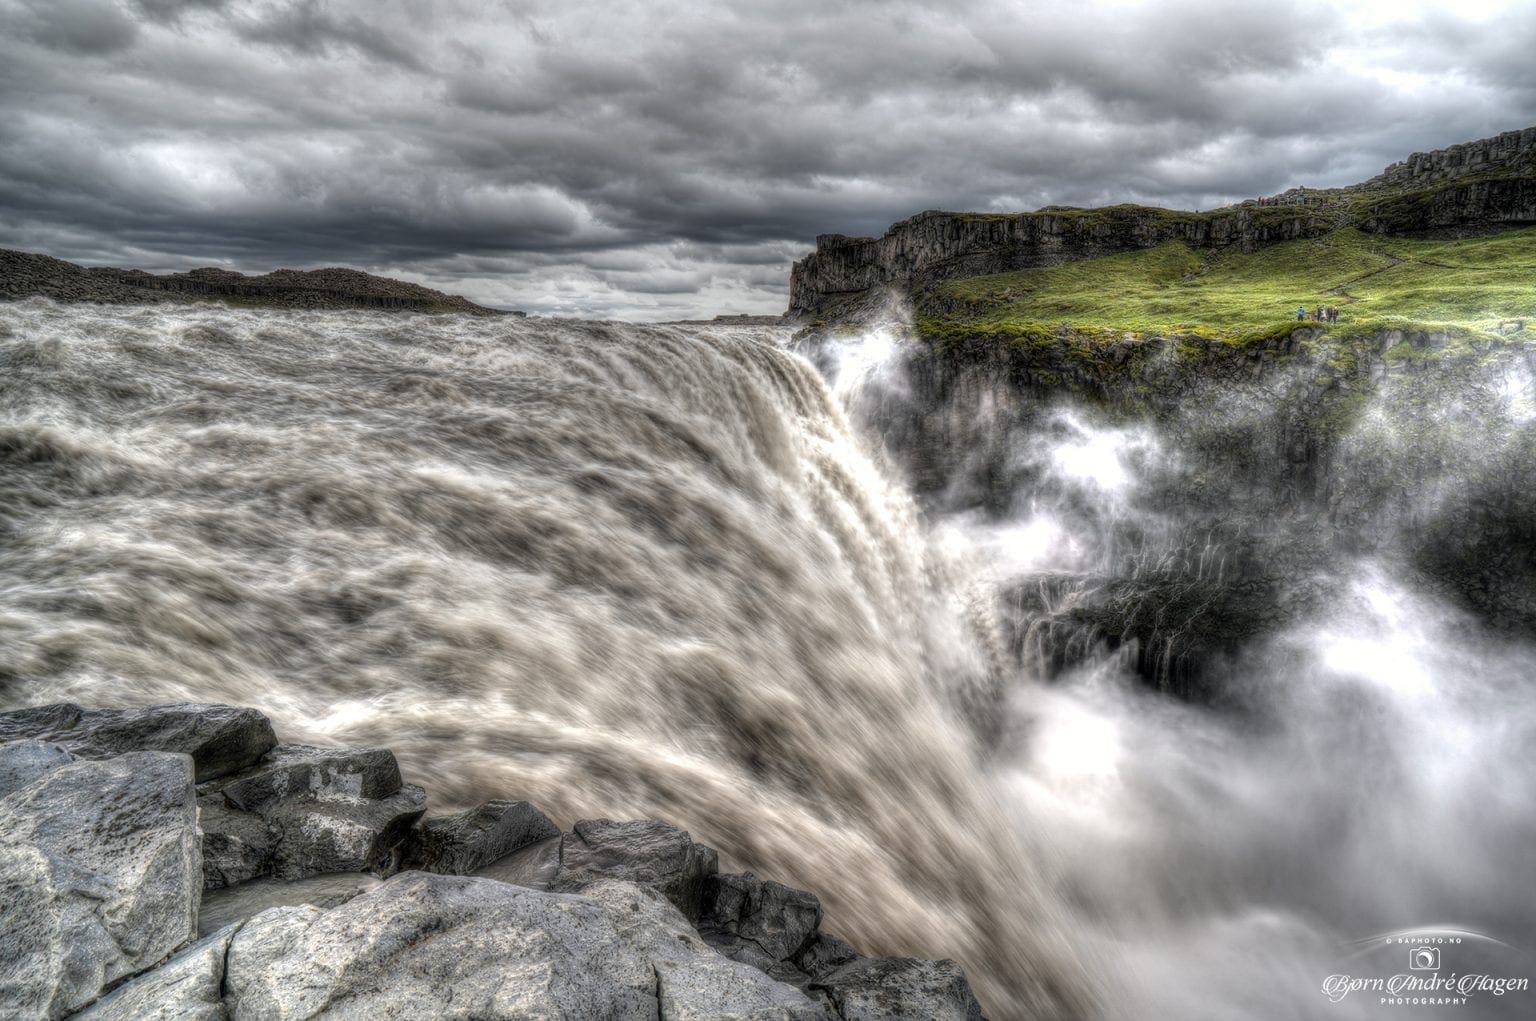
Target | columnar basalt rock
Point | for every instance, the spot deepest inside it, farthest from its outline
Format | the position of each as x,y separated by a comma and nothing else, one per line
1467,188
1511,150
936,245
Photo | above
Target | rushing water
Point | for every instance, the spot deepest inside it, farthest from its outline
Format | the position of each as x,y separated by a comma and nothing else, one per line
673,572
1369,788
616,571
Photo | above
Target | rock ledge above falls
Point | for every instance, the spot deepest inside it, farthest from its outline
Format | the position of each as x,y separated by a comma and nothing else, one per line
178,862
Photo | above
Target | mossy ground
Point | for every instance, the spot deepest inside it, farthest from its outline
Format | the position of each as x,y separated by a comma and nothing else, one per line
1471,286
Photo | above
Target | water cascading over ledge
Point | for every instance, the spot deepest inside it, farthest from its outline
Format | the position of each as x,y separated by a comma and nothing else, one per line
1280,601
612,570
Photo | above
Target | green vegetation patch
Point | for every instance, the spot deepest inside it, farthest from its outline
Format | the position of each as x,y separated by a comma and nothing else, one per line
1473,287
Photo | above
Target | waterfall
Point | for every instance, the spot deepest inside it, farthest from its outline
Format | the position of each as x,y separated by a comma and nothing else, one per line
615,570
1185,713
1262,734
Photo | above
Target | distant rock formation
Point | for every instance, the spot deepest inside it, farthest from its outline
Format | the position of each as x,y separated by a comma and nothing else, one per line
1512,151
177,861
1466,189
935,245
27,274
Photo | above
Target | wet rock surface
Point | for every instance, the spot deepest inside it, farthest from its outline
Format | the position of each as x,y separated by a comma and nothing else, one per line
648,853
459,844
329,895
99,878
220,739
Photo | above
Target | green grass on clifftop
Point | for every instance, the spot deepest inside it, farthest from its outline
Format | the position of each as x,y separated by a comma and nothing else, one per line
1376,281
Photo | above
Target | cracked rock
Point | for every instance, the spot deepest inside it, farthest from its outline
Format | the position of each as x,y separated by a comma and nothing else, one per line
100,874
221,739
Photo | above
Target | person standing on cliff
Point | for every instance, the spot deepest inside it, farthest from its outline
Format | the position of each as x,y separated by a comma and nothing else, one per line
1301,313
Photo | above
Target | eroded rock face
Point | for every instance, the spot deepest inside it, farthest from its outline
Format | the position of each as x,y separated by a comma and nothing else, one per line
493,951
459,844
188,987
1465,188
101,890
22,762
221,739
302,811
100,874
645,852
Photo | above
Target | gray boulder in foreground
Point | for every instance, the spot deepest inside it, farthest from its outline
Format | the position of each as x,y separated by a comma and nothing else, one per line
758,921
102,889
100,876
303,811
296,770
427,945
693,981
220,738
188,987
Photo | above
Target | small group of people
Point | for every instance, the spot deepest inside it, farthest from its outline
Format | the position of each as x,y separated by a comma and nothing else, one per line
1328,314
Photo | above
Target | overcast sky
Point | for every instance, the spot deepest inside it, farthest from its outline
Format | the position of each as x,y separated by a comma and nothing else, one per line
665,159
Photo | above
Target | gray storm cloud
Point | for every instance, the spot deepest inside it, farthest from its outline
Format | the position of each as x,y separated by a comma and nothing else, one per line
649,161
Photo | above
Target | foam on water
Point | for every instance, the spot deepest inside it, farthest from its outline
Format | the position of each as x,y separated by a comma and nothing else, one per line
621,571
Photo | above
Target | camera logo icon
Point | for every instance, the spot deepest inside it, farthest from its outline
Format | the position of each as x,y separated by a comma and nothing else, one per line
1424,959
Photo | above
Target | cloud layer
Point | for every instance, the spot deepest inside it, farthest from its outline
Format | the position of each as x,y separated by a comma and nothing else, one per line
655,161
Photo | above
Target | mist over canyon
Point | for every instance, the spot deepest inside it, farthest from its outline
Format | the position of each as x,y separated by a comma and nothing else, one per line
1134,713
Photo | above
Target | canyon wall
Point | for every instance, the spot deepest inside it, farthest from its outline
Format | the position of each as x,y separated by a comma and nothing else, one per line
1466,189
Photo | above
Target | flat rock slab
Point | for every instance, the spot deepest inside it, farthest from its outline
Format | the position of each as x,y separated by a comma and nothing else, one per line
457,845
100,875
221,739
223,908
645,852
22,762
328,774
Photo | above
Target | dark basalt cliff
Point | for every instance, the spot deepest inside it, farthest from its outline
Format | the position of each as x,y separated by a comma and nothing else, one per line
1471,188
27,274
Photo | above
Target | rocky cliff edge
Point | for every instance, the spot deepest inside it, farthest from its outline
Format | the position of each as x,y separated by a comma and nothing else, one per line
177,861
